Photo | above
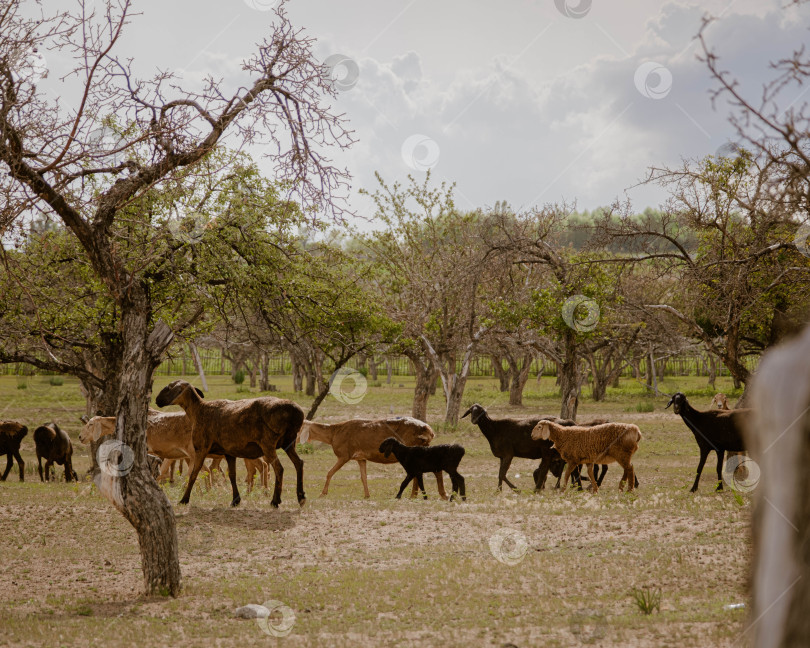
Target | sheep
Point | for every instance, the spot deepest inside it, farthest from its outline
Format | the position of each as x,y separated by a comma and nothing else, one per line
720,402
603,444
247,428
11,435
509,438
718,430
53,443
168,437
417,460
359,440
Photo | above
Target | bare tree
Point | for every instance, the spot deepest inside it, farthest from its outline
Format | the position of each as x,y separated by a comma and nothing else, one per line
54,162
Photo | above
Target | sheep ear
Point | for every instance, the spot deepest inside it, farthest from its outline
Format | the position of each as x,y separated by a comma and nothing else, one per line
84,419
199,393
670,402
303,435
467,413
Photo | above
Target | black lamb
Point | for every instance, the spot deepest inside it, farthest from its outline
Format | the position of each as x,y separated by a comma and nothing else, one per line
11,435
54,445
417,460
718,430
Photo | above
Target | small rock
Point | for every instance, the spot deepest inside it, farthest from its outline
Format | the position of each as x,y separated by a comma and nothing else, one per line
107,563
252,611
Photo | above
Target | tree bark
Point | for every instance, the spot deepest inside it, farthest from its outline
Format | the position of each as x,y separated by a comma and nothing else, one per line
372,368
500,374
519,374
198,365
424,373
569,377
136,494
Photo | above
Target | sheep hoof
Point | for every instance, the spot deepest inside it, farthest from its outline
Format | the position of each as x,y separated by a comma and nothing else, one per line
274,504
183,501
236,501
302,501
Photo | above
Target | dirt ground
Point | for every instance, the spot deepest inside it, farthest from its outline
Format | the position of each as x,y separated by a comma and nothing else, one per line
503,569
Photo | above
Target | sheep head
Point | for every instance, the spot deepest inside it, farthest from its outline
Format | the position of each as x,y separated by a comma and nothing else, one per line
173,392
678,401
97,427
387,446
475,412
542,431
720,401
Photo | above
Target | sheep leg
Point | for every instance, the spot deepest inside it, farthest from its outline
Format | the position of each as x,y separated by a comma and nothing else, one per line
415,489
39,466
458,485
298,463
440,484
69,474
166,467
720,453
594,485
704,454
601,476
199,460
421,485
631,478
9,464
340,463
505,463
362,464
541,474
568,470
405,482
231,461
272,458
48,465
251,473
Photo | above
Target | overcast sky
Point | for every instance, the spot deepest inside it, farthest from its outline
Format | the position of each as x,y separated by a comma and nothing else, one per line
511,100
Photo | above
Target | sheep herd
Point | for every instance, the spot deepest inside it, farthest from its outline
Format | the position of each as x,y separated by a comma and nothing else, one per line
254,429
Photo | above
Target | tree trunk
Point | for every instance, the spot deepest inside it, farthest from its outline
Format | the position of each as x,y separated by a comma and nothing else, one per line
372,368
265,373
434,380
424,373
198,365
569,378
653,377
519,376
134,492
389,371
712,371
500,374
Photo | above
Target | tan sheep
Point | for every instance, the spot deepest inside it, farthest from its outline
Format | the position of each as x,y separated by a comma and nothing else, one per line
720,401
600,444
360,439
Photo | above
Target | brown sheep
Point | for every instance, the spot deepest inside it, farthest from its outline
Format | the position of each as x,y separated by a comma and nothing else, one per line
53,443
249,428
11,435
602,444
360,439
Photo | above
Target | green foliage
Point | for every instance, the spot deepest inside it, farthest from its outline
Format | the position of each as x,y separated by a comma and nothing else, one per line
239,377
647,600
56,381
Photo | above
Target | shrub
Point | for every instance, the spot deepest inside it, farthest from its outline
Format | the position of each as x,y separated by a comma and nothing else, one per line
57,381
364,371
647,600
305,448
239,377
22,385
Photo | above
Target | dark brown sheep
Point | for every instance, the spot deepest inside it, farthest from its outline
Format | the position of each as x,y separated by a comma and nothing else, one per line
11,435
249,428
54,445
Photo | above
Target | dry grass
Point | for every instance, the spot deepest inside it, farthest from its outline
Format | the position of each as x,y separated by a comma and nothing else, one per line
382,572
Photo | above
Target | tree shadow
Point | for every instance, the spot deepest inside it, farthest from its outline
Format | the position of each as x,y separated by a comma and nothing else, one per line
252,519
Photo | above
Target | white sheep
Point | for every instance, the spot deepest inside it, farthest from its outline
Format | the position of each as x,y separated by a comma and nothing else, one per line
599,444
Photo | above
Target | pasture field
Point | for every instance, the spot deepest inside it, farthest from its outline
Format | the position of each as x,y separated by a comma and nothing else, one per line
381,572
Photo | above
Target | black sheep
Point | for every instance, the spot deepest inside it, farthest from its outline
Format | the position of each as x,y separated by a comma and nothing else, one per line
11,435
509,438
417,460
718,430
54,445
